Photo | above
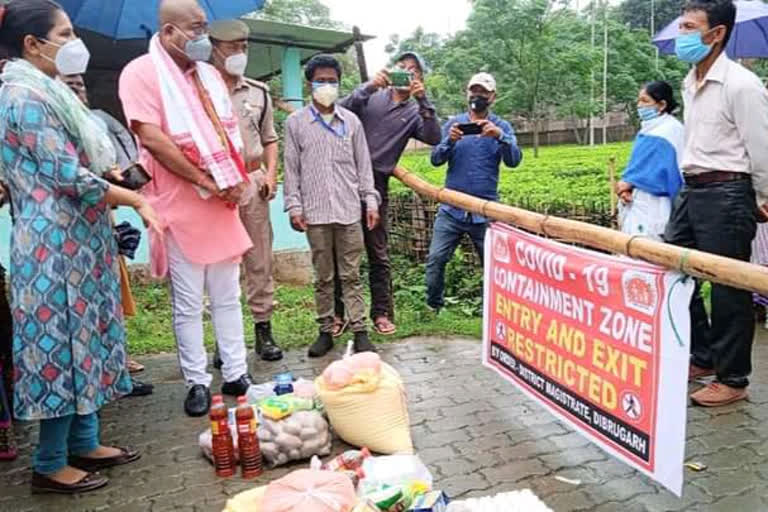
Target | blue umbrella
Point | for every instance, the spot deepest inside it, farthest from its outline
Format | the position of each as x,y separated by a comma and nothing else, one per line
135,19
748,41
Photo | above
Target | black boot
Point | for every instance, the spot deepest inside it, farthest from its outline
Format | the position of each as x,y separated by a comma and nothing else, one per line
266,348
362,343
322,345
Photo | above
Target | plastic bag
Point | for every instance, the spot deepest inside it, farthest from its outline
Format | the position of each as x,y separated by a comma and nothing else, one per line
248,501
516,501
297,437
357,368
393,471
368,414
307,490
258,392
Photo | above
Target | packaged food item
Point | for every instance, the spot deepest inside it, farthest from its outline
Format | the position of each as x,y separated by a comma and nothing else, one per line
372,413
390,499
222,445
247,501
394,471
276,408
434,501
284,383
349,460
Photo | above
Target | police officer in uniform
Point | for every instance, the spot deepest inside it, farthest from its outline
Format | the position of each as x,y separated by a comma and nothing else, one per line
253,106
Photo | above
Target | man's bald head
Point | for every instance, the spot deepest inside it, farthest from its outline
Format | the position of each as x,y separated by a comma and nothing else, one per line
179,11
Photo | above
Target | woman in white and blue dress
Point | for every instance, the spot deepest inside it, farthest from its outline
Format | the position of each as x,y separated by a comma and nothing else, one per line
652,179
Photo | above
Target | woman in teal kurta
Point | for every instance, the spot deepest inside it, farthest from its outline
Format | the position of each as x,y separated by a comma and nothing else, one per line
68,336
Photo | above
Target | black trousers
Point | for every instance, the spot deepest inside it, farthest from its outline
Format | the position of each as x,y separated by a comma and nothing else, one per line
719,218
377,248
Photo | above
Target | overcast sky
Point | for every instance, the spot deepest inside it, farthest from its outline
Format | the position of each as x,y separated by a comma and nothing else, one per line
402,17
381,19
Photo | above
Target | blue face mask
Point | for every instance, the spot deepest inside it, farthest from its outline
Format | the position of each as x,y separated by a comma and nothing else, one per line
690,48
647,113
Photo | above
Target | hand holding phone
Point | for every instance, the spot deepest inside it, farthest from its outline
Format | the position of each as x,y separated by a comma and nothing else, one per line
471,128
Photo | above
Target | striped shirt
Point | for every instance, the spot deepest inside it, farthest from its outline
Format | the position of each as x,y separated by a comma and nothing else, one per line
328,171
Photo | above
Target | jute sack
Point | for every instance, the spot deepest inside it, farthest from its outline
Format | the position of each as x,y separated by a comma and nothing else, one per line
372,412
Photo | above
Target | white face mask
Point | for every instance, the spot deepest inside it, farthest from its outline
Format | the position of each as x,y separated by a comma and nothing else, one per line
72,57
325,94
236,64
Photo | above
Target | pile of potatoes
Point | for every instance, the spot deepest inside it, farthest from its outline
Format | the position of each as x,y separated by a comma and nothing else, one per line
297,437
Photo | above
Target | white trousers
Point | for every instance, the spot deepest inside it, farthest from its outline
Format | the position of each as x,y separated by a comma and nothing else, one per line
189,282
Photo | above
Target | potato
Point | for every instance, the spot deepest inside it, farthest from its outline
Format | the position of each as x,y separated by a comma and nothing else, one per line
307,434
288,442
295,454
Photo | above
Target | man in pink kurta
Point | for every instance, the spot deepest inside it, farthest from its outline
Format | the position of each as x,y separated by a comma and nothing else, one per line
204,238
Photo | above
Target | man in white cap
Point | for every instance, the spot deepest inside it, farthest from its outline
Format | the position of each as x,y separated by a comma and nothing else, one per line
474,144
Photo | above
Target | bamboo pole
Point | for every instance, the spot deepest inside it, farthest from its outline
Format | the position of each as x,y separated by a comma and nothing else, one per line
710,267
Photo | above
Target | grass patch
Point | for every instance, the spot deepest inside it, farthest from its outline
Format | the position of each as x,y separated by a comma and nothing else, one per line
293,322
562,177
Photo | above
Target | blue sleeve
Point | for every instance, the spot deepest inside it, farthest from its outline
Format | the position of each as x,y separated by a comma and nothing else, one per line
443,151
510,152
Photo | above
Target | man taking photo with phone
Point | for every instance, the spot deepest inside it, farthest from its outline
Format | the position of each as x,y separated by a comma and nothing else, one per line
393,108
474,144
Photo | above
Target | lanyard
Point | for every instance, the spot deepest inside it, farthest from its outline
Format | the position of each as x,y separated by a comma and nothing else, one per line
328,127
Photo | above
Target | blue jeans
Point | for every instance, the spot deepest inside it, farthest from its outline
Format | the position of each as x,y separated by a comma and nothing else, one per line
445,238
61,437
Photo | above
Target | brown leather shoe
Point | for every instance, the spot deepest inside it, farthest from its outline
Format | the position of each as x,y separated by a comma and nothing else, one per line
126,456
697,372
717,394
90,482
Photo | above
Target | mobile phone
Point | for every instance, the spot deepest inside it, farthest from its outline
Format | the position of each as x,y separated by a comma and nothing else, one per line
134,177
400,78
471,128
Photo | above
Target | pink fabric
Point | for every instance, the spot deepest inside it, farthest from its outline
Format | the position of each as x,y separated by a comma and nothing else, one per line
207,230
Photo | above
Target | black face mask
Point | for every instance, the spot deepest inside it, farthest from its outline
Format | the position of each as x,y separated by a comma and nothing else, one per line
479,104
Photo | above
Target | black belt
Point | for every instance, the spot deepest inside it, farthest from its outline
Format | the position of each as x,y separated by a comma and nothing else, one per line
708,178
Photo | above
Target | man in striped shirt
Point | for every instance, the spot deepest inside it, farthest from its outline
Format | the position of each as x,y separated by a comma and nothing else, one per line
328,176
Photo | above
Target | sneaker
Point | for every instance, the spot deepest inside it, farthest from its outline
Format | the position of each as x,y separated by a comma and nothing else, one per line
363,344
238,387
697,372
266,348
198,401
717,394
322,345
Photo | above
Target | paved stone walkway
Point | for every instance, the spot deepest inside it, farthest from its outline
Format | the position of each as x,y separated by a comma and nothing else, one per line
478,435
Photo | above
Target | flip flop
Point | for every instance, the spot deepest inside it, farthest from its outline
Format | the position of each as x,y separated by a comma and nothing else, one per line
134,367
339,327
379,324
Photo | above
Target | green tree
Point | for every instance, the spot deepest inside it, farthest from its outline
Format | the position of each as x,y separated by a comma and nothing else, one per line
299,12
637,13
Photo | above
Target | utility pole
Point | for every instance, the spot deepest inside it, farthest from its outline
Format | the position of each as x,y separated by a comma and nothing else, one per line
605,73
592,80
653,30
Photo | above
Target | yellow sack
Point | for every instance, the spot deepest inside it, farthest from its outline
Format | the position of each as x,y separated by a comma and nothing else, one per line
248,501
365,414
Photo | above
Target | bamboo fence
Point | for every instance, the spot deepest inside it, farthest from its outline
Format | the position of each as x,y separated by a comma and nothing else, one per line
699,264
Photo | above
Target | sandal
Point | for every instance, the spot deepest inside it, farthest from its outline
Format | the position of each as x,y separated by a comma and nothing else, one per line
90,482
126,456
134,367
340,326
384,327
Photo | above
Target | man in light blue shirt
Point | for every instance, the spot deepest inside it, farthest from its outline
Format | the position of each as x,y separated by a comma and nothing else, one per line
474,145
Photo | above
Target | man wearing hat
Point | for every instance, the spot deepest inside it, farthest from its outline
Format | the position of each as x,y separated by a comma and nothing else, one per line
391,115
253,107
474,144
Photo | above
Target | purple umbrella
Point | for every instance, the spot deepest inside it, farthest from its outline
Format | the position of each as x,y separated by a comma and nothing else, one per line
748,41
